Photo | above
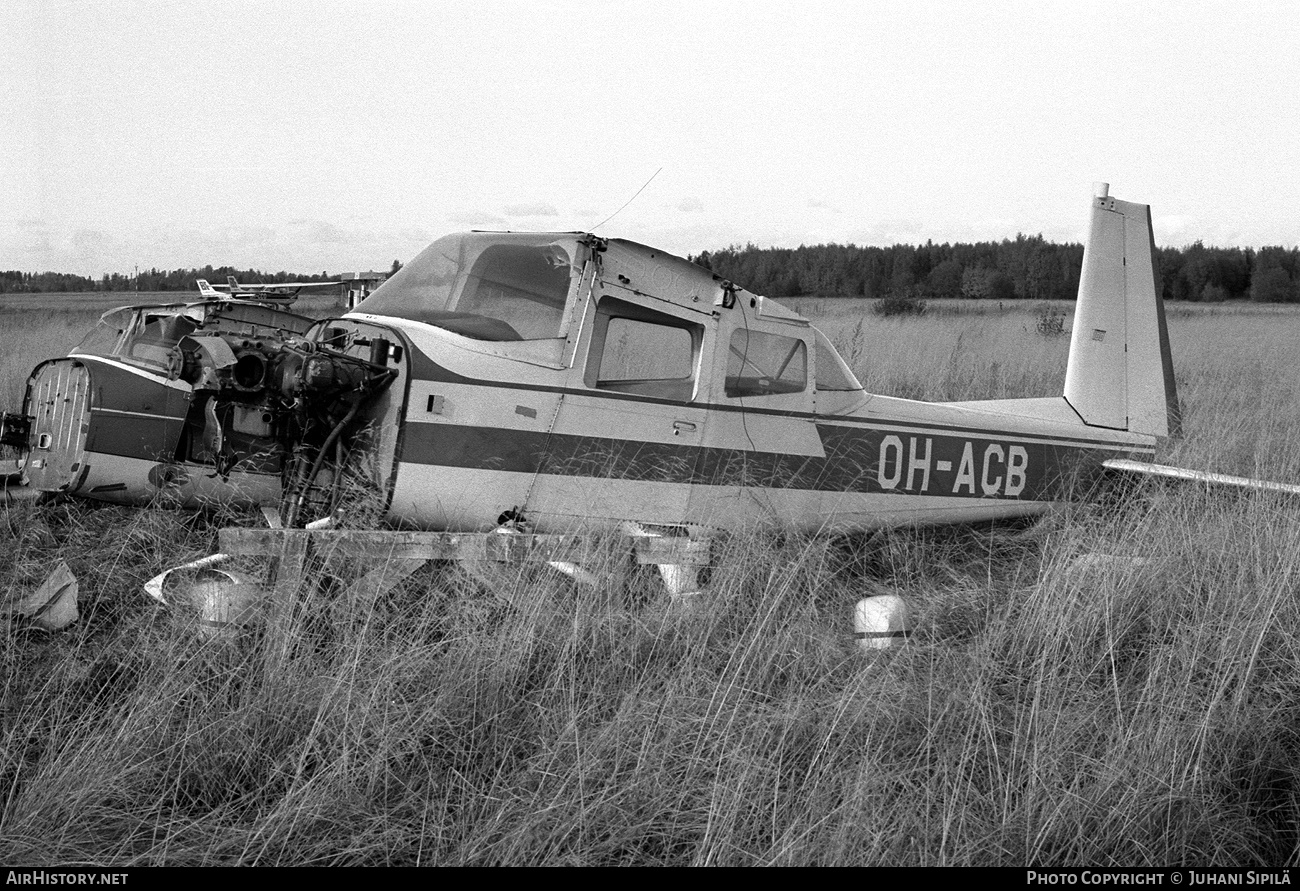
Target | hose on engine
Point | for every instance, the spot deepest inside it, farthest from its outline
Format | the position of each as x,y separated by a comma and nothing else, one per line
295,504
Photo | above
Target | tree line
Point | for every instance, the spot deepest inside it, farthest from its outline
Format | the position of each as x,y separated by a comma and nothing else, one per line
15,282
1024,268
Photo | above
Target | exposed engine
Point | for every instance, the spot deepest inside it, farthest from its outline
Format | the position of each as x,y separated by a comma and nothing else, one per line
234,398
292,405
331,387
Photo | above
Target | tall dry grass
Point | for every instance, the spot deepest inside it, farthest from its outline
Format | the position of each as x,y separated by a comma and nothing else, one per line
1043,712
28,337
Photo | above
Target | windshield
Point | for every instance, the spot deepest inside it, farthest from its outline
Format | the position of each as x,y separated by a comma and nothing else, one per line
488,286
143,336
102,340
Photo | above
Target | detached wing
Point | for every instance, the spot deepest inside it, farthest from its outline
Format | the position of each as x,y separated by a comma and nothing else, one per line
1142,468
280,286
286,289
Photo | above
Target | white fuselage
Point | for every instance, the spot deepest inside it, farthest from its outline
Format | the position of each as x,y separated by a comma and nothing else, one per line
482,435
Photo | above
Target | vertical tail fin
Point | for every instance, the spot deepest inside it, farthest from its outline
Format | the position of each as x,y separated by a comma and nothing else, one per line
1120,373
208,291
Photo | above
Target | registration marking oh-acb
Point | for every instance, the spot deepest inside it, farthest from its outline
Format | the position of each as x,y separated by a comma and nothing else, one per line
988,469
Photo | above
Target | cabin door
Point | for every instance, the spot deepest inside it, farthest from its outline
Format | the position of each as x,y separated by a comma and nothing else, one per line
763,451
627,434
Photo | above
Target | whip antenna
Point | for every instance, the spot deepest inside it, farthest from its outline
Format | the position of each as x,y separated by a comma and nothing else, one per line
626,203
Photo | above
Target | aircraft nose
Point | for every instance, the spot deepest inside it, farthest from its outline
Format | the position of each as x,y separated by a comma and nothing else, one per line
59,400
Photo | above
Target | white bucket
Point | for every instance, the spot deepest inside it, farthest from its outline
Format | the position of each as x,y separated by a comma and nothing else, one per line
226,601
881,623
682,581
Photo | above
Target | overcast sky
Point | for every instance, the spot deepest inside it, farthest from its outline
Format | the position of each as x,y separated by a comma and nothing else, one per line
343,135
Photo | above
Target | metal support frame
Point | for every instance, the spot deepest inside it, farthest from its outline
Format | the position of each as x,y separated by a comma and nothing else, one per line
289,549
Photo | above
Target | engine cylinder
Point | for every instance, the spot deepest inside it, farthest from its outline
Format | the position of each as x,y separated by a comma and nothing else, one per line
249,372
323,373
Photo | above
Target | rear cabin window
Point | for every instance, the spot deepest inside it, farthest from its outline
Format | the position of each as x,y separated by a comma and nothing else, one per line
832,373
635,350
761,364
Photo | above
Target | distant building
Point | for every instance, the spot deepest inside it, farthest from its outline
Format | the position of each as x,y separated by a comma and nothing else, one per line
358,285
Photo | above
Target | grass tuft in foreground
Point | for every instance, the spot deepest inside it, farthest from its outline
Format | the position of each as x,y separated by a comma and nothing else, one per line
1044,711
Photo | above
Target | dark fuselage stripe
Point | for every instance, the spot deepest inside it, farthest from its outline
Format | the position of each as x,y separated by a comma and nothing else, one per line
133,415
856,460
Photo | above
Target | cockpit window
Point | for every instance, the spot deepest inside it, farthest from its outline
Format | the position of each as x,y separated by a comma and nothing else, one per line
143,336
525,287
501,287
153,339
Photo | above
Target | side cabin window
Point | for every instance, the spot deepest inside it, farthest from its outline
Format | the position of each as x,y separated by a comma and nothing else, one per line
636,350
761,364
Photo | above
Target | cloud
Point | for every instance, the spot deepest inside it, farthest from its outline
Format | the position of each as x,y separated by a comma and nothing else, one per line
311,231
89,241
327,233
1175,228
476,218
690,205
901,230
414,234
533,209
32,239
304,246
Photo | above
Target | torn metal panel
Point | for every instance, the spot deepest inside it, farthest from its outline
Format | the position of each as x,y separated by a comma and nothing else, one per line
53,605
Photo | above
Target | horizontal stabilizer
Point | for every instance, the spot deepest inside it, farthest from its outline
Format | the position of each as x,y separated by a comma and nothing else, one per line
1164,471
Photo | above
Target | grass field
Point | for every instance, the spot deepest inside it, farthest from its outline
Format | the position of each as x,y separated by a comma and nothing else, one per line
1139,713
